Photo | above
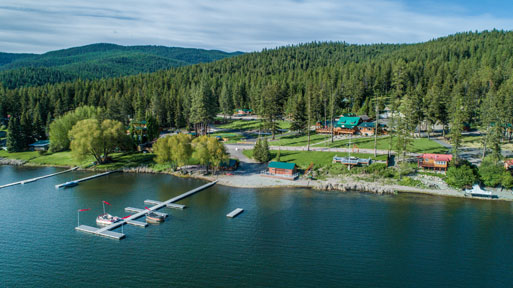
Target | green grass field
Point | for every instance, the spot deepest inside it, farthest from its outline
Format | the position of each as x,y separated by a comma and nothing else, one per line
250,125
34,157
295,140
231,137
304,158
417,145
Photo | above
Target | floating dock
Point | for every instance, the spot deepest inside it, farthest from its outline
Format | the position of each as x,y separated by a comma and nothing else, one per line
106,231
234,213
170,205
22,182
87,178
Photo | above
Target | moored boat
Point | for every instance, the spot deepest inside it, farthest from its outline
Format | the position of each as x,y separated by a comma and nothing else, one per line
70,184
154,218
107,219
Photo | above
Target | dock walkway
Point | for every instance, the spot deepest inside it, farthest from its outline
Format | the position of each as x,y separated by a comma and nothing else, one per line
37,178
88,178
106,231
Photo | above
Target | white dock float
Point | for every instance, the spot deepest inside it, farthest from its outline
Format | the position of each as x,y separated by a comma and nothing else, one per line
88,178
137,223
234,213
169,205
22,182
106,231
96,231
137,210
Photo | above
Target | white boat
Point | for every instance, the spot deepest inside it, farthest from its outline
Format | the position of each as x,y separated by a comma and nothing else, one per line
107,219
477,191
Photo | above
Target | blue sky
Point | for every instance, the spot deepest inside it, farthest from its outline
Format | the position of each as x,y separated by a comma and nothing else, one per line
245,25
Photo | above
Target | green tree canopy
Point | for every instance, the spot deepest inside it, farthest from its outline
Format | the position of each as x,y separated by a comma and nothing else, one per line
60,127
91,138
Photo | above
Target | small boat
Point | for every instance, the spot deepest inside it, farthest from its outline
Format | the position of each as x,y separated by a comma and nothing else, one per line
477,191
107,219
154,218
70,184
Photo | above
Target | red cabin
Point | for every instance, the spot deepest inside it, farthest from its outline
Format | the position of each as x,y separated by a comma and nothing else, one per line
435,161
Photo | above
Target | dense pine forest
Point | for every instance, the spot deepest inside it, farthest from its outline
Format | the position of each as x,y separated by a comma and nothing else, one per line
463,78
97,61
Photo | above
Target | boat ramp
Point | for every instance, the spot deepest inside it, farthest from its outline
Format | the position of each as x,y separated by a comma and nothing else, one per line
107,230
22,182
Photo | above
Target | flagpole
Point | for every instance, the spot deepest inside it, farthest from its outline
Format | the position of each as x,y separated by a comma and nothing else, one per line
78,218
103,202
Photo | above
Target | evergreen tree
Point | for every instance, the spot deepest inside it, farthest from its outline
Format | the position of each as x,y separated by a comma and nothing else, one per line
14,136
299,119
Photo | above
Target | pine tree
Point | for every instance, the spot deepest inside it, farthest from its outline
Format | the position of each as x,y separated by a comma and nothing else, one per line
14,141
299,119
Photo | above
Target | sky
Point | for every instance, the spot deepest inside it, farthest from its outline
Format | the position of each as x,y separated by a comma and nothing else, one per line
239,25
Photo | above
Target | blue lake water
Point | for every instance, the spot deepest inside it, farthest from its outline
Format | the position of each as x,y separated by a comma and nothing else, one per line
284,238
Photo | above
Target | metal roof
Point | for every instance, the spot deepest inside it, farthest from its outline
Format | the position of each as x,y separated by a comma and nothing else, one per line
282,165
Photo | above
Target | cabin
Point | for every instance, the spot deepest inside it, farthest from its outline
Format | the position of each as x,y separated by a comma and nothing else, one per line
244,112
41,145
323,127
368,128
281,170
365,118
435,161
347,125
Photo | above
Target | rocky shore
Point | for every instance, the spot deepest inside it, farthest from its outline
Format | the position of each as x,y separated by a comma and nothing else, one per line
354,186
435,186
13,162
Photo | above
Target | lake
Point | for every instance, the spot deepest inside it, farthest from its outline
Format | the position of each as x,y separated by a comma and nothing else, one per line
284,237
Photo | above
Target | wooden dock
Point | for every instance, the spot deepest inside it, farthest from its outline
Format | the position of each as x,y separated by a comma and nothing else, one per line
106,231
234,213
22,182
88,178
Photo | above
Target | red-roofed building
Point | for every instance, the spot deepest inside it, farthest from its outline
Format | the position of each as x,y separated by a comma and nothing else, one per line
435,161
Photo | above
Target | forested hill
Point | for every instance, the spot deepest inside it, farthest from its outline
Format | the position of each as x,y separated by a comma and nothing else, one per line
97,61
466,77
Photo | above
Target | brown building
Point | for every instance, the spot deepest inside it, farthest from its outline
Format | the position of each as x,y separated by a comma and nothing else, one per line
435,161
281,170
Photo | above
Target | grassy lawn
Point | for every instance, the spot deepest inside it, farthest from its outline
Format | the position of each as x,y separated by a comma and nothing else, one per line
418,145
231,137
304,158
58,159
295,140
250,125
127,160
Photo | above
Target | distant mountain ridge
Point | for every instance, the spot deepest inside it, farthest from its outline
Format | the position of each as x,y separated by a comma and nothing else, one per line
95,61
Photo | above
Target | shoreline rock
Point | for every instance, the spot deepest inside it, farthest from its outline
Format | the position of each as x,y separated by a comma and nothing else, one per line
354,186
13,162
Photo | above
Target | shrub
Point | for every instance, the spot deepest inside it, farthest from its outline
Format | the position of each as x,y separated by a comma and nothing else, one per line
460,176
407,181
490,172
507,180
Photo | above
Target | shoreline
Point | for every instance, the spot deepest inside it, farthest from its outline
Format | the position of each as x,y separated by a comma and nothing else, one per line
255,181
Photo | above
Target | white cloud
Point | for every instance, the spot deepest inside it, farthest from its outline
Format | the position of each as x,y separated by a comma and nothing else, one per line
39,26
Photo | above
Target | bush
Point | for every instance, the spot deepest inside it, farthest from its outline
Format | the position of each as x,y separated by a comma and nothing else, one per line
407,181
460,176
376,168
507,180
490,172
